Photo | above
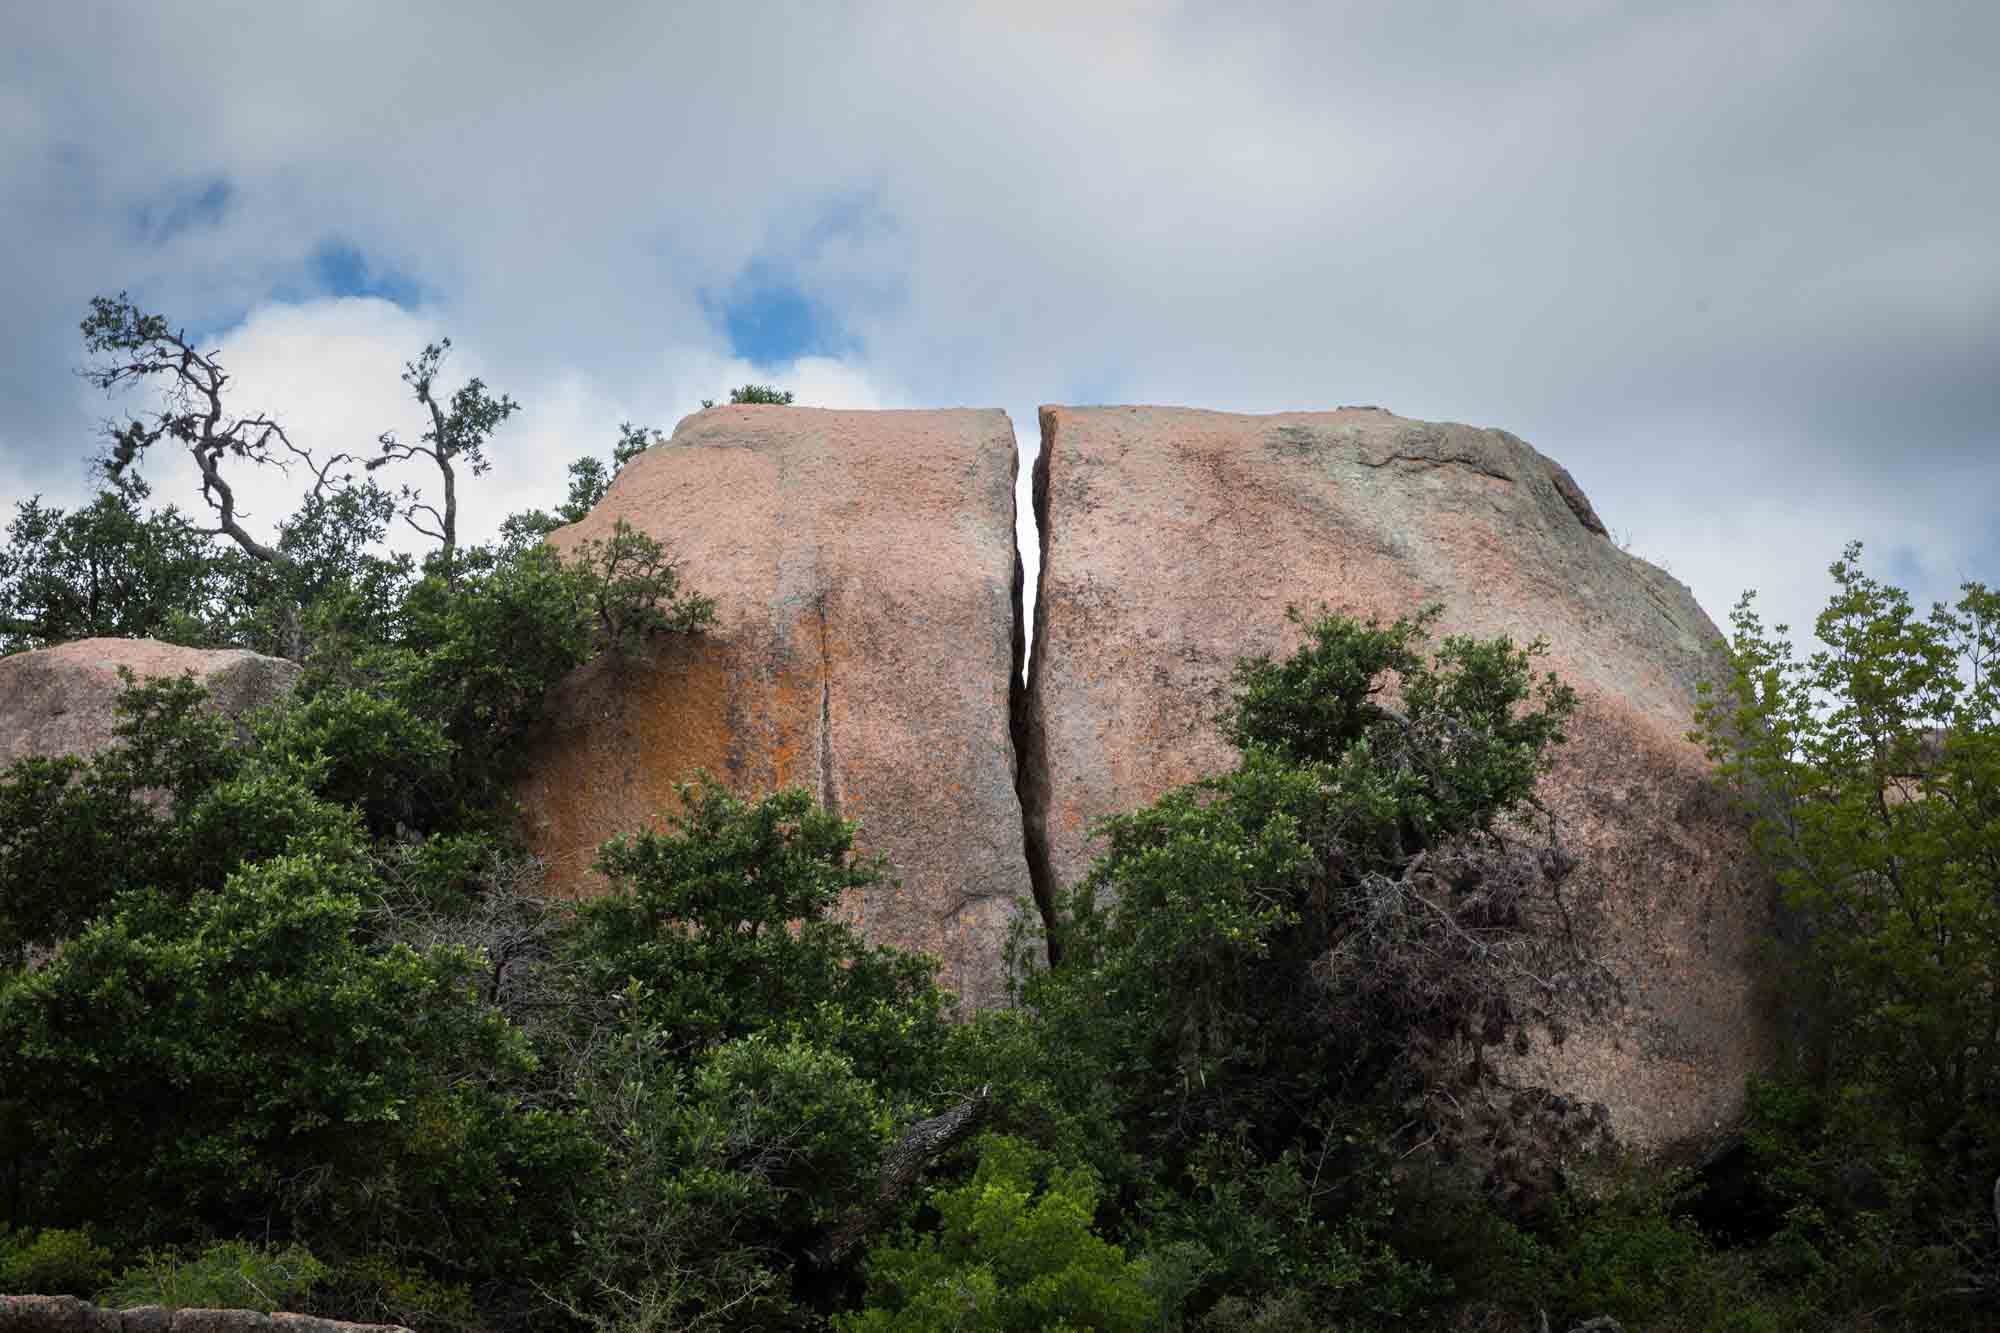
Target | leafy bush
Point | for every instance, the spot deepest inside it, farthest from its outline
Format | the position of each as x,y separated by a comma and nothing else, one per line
756,393
1282,1312
51,1263
634,590
721,1178
745,1058
228,1275
1871,770
720,924
1014,1250
1630,1256
74,833
201,1063
376,1289
1302,1231
100,571
444,665
327,589
365,751
1346,915
71,837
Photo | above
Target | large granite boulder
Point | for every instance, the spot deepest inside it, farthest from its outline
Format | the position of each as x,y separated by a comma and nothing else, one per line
1173,541
63,700
866,581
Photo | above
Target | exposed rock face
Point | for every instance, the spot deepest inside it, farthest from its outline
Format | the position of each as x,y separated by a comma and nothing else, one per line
63,700
864,569
67,1314
1172,542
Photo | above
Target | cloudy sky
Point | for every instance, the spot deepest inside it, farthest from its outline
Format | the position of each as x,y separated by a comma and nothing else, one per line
1736,265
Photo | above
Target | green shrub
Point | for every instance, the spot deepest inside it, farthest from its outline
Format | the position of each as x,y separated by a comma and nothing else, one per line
1302,1231
634,590
724,920
1014,1251
101,570
375,1289
1281,1312
190,1066
228,1275
1868,1220
54,1262
448,668
1337,918
1872,772
720,1177
1629,1256
70,838
364,751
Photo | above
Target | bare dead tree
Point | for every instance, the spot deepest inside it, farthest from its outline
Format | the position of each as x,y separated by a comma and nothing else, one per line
458,433
134,346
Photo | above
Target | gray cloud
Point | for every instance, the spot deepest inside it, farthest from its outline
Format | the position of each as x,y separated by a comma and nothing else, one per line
1732,264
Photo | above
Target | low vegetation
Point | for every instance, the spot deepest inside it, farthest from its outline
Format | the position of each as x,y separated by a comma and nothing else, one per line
298,1030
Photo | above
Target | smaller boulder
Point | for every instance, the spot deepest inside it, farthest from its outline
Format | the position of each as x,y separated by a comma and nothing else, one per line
220,1321
55,1314
64,700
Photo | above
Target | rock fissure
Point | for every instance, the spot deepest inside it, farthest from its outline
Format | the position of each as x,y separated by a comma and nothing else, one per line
1427,463
1031,784
863,570
828,797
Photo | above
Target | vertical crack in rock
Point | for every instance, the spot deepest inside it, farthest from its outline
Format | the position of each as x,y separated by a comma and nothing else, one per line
889,536
1031,778
827,797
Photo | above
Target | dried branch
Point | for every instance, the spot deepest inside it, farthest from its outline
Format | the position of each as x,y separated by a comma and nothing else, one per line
456,433
135,346
902,1166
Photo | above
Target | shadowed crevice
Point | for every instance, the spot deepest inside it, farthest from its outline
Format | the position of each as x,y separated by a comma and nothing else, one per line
1031,779
828,798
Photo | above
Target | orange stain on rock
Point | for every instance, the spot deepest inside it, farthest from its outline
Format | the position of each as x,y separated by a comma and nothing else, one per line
863,567
627,729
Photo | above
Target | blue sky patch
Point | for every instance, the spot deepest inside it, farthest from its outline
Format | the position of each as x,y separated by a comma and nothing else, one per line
185,209
769,319
814,274
339,268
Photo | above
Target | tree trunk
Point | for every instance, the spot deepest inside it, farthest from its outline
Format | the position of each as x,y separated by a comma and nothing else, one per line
902,1166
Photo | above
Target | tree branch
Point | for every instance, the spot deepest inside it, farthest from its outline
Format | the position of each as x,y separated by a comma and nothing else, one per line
142,346
902,1166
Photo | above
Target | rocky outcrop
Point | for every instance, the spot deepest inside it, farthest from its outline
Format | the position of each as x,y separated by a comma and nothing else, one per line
1173,541
864,570
63,700
67,1314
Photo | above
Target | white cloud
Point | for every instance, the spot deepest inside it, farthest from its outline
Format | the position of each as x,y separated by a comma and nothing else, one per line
1590,223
